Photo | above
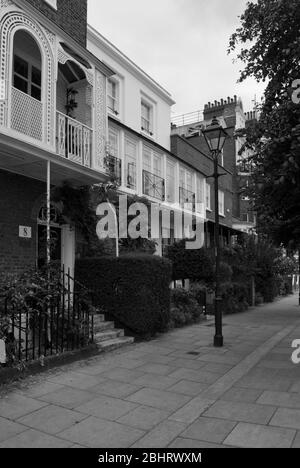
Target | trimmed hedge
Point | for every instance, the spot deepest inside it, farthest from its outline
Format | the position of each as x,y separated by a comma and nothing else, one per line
195,265
133,290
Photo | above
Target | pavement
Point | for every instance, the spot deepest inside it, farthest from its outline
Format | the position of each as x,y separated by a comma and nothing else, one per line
176,391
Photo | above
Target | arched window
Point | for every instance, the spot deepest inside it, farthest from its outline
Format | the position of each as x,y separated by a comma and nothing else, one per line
27,65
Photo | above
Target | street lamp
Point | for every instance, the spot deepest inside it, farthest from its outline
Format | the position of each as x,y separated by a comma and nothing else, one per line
215,137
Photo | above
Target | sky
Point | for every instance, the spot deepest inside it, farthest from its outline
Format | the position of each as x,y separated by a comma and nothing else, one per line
182,44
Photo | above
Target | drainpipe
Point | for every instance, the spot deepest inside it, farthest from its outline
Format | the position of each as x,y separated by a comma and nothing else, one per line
48,215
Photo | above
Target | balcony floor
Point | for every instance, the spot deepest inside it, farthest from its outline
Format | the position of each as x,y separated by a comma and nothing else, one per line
22,158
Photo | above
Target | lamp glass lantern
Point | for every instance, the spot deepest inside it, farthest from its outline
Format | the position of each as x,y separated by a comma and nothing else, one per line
215,136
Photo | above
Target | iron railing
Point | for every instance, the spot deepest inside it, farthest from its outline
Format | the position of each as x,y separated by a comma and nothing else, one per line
114,167
66,324
153,186
187,199
74,140
187,119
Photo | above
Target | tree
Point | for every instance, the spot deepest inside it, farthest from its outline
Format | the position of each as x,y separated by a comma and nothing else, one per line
268,43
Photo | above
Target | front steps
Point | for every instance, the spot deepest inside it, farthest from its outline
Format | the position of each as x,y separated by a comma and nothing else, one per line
107,337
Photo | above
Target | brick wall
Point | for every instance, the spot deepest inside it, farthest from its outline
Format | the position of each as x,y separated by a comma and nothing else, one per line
19,201
71,16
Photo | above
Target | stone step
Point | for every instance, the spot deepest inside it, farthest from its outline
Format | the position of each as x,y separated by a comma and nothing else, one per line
116,343
108,335
101,326
99,318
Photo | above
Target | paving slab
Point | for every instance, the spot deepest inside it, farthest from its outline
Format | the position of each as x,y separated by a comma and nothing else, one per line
181,443
209,430
105,407
51,419
144,417
192,410
35,439
187,387
296,443
236,411
282,399
67,397
243,395
161,436
115,389
100,433
9,429
13,406
169,401
257,436
286,418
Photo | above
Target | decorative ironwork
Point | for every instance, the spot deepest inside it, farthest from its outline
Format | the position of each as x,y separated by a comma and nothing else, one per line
153,186
74,140
26,114
114,167
65,324
14,21
187,199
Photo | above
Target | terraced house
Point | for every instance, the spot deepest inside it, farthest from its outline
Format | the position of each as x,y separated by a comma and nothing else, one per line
74,107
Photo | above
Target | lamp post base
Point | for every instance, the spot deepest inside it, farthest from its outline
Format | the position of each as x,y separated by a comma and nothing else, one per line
218,341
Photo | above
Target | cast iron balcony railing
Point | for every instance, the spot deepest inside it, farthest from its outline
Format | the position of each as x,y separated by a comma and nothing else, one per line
74,140
153,186
187,199
114,167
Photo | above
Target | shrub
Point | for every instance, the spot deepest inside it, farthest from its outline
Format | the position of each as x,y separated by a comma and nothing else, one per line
195,265
185,309
133,290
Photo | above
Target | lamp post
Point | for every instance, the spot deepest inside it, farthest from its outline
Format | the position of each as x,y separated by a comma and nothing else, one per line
215,137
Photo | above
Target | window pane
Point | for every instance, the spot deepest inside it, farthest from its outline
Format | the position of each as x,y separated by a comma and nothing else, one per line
21,84
36,92
157,165
130,164
36,76
170,183
113,143
146,159
20,66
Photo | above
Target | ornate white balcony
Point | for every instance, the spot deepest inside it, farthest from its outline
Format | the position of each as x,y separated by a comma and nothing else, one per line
26,115
74,140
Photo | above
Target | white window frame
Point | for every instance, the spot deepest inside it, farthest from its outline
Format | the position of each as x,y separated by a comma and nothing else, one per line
30,63
115,111
208,196
116,134
222,203
174,168
133,142
200,193
149,129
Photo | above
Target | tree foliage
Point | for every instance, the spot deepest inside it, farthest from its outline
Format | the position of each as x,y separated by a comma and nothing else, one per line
268,43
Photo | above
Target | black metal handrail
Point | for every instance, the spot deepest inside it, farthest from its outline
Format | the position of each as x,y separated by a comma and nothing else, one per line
65,324
153,186
187,199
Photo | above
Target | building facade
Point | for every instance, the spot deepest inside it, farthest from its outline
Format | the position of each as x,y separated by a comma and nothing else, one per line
74,108
236,210
53,123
